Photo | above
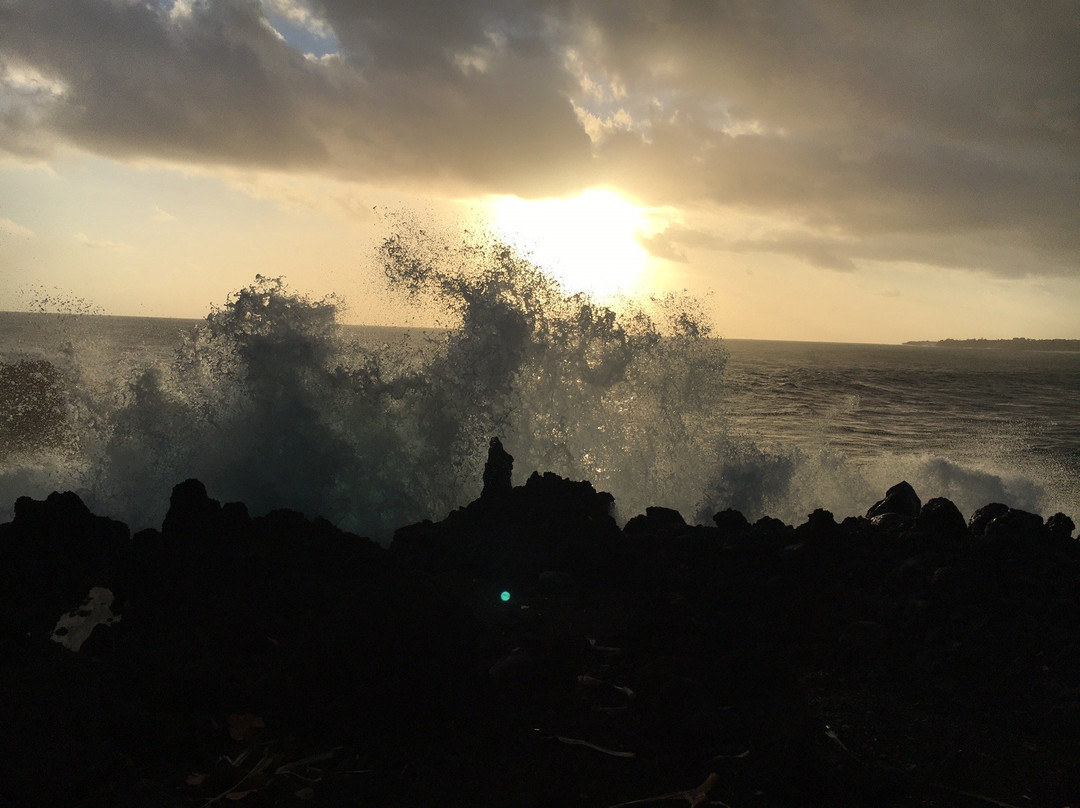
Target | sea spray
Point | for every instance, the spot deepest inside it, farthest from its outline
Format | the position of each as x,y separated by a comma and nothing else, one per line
631,399
266,404
271,401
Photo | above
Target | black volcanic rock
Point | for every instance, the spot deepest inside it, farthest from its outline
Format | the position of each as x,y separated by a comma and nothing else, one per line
616,668
656,519
940,525
51,554
730,520
192,515
901,500
984,516
773,529
548,524
1014,526
63,516
819,531
498,471
941,515
1060,526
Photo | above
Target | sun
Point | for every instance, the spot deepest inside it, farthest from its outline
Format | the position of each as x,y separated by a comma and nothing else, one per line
588,242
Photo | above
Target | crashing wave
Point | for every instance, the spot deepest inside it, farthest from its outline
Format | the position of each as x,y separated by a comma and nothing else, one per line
273,402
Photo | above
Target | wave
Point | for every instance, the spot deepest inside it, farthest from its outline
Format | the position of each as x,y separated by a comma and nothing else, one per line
271,401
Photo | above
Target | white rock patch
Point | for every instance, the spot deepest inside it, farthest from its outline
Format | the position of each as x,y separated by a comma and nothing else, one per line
73,628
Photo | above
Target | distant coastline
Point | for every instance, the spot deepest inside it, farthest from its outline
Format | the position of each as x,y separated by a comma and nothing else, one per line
1014,344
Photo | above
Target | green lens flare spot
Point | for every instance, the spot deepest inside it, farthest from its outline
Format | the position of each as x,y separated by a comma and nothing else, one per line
504,596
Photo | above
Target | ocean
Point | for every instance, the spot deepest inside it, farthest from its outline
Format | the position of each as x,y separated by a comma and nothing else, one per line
270,401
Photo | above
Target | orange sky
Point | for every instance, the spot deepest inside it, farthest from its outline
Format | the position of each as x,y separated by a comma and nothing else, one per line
812,170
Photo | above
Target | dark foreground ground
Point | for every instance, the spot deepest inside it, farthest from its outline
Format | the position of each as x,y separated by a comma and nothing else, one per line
911,659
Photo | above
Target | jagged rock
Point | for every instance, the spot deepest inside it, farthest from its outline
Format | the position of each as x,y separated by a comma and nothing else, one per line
64,516
655,520
890,522
769,527
235,513
758,654
901,499
857,527
193,517
819,530
498,472
821,519
984,516
53,552
1060,526
192,514
550,523
580,496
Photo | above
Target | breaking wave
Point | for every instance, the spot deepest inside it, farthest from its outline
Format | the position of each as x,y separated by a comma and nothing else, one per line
271,401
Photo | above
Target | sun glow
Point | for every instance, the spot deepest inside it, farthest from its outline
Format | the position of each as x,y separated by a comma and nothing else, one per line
588,242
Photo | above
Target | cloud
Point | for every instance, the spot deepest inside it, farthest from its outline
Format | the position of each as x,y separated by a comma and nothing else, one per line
114,246
885,129
217,85
1001,253
336,198
663,245
10,228
824,253
161,215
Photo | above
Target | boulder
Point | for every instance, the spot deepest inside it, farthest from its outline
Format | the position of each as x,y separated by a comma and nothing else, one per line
656,519
901,499
890,522
772,529
54,551
1060,526
1015,526
819,530
984,516
730,520
940,524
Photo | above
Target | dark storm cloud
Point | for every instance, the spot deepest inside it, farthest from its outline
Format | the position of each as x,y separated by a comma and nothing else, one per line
135,83
216,84
915,130
892,123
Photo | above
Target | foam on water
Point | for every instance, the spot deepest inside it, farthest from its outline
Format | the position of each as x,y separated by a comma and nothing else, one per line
272,402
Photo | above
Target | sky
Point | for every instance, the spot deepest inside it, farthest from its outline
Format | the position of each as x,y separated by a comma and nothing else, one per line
815,170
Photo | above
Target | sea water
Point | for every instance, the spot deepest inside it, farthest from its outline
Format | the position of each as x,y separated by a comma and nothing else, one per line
271,401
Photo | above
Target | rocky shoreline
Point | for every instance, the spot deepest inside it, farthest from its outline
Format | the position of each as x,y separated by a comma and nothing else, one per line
526,651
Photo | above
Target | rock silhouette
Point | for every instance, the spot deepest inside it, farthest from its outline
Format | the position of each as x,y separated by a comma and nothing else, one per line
526,651
498,471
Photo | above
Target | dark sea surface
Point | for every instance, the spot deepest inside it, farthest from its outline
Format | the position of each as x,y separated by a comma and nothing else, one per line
354,422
